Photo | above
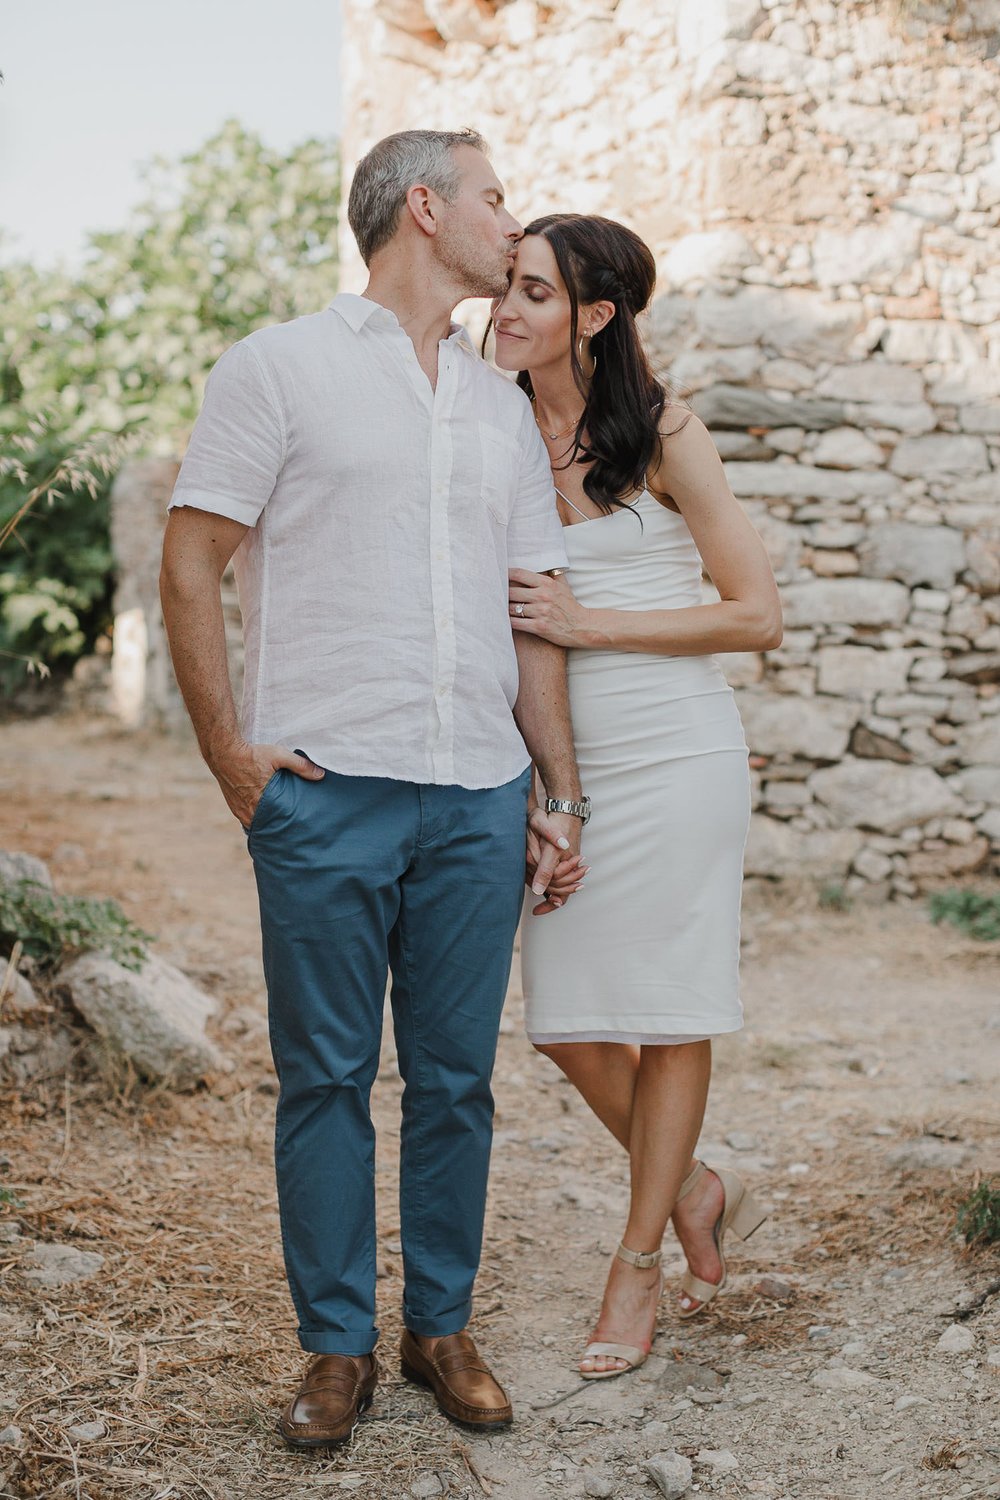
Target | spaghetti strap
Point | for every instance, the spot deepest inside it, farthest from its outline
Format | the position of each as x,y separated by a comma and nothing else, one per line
570,503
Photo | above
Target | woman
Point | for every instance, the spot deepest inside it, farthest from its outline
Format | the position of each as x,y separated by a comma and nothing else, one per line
627,985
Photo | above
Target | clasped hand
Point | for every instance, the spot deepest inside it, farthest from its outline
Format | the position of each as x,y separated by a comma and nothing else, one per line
545,606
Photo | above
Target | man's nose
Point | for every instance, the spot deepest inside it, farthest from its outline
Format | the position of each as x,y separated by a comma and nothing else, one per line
513,230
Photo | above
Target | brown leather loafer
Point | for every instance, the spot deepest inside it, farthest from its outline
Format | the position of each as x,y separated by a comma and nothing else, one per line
463,1387
325,1409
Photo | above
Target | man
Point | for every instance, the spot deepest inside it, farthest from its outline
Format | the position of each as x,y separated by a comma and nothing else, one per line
373,479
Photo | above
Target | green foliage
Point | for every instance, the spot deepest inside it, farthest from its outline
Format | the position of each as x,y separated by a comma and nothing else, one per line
53,928
834,898
972,912
228,239
55,580
9,1199
979,1215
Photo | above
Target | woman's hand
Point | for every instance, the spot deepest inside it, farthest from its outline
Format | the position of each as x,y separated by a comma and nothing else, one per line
567,876
547,607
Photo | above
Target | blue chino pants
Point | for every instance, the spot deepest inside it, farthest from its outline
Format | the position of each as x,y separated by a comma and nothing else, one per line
359,876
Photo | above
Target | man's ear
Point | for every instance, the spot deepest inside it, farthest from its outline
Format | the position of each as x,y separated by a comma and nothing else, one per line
421,203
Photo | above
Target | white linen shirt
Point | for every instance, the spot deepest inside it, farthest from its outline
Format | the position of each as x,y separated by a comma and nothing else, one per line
384,516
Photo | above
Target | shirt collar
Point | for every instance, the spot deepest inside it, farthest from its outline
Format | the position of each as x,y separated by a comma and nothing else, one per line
356,311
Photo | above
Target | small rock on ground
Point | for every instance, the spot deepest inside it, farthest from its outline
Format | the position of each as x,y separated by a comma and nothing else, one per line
86,1432
775,1287
681,1373
957,1339
57,1265
842,1380
719,1459
424,1486
10,1437
903,1403
599,1486
671,1473
15,867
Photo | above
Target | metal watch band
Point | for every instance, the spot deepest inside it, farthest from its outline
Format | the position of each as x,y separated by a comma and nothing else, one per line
579,809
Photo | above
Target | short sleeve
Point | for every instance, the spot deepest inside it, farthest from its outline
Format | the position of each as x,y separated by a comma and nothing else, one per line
534,534
237,446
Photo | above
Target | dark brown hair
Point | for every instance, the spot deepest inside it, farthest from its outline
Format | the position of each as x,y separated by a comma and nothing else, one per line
604,261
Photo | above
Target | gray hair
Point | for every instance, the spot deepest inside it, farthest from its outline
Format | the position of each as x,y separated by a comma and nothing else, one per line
385,175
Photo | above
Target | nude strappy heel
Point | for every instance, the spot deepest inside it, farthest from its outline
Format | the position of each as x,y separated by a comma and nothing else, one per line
741,1213
633,1355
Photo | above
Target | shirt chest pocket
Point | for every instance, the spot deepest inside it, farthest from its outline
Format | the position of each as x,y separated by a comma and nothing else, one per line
500,462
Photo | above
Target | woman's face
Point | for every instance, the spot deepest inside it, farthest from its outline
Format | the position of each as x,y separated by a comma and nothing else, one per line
532,321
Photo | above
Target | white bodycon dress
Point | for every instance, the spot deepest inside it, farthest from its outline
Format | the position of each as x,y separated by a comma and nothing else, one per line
648,951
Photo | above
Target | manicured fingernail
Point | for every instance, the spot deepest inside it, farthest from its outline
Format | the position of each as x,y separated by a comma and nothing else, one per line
555,901
563,843
537,890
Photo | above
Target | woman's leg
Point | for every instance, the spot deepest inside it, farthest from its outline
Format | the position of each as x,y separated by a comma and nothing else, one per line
668,1106
604,1073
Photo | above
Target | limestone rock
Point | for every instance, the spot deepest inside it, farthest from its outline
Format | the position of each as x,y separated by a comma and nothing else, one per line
706,256
778,480
814,728
861,671
741,406
704,23
57,1265
795,324
86,1432
874,380
846,448
954,859
932,555
847,601
976,667
979,744
776,1288
928,1154
778,852
681,1375
883,796
720,1460
156,1017
980,784
939,454
671,1473
874,254
15,867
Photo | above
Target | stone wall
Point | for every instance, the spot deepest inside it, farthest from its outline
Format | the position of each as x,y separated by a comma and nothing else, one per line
821,186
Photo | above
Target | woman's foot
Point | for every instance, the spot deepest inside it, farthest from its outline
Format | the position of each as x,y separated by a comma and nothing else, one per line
628,1316
695,1218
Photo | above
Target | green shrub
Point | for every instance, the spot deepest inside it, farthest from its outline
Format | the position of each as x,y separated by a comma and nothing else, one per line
834,898
972,912
979,1215
52,928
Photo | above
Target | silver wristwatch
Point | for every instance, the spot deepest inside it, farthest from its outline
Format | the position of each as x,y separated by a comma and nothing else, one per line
579,809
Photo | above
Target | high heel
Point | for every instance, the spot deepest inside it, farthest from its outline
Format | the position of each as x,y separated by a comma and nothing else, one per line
634,1355
741,1213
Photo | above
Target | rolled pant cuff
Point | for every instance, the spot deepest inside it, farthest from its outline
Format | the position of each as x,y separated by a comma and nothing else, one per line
437,1328
338,1343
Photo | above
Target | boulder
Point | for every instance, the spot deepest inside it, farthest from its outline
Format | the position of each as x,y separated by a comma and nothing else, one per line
15,867
155,1017
874,380
861,671
845,601
741,407
932,555
937,455
778,852
882,795
792,323
817,729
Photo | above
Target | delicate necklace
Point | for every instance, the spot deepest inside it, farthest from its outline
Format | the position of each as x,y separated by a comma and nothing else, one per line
553,435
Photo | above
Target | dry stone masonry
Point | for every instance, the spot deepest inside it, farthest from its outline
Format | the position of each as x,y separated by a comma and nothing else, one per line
821,186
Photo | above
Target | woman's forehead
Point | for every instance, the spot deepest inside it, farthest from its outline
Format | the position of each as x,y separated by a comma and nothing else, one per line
535,258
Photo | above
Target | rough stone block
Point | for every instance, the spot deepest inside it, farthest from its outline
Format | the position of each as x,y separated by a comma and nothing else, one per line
955,859
932,555
873,380
847,601
58,1265
817,729
15,867
979,744
861,671
777,851
883,796
780,481
156,1017
937,455
707,256
846,448
875,255
741,407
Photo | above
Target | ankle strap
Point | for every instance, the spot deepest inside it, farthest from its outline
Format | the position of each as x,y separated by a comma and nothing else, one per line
634,1258
695,1175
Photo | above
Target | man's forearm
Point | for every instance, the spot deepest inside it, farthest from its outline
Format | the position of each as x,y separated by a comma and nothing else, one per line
192,613
542,714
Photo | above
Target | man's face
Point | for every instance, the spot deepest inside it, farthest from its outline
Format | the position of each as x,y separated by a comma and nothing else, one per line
477,238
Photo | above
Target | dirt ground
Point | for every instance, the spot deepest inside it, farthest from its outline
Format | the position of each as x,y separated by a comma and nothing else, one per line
861,1100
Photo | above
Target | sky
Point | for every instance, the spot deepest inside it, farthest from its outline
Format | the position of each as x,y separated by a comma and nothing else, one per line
93,88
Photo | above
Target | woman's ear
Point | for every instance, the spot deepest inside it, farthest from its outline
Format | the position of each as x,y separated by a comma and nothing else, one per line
597,316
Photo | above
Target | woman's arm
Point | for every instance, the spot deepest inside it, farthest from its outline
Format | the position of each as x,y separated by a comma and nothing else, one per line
748,614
